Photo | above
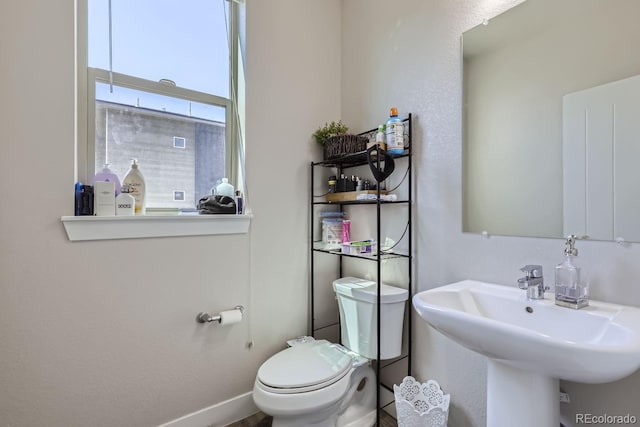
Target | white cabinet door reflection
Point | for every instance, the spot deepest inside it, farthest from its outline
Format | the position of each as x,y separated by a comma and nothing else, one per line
601,161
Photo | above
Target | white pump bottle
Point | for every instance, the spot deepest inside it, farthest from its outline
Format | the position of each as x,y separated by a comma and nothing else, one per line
137,188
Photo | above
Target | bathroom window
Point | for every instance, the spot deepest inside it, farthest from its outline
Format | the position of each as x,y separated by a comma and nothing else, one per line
149,73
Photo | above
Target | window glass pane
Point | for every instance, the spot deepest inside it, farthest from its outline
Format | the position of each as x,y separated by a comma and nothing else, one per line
183,41
126,128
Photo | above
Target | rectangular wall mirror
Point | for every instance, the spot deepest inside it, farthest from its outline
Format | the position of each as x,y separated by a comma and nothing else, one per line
551,121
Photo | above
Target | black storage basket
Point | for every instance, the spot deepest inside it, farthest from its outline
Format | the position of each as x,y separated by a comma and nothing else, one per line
342,145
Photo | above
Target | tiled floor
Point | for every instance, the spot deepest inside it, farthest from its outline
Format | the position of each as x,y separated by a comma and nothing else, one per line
256,420
262,420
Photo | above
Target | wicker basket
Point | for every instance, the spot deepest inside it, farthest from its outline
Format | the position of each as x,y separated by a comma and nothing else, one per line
341,145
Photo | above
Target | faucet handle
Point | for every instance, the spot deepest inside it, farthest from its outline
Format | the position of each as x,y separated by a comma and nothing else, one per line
532,271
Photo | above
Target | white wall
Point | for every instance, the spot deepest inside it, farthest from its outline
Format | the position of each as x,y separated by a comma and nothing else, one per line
104,333
82,347
408,55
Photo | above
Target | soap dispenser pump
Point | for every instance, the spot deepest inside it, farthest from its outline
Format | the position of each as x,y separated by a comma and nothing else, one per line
571,285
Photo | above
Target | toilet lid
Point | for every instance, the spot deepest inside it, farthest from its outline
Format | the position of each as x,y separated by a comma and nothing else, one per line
305,365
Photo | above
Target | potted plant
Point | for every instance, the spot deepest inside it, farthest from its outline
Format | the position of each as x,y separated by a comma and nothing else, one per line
328,130
336,142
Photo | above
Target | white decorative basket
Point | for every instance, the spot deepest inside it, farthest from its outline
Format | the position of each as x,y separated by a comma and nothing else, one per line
421,404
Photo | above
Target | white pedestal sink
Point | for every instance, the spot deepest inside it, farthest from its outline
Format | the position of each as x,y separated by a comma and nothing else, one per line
531,344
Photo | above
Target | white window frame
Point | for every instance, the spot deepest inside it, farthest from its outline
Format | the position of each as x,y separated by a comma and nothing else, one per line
105,228
103,76
87,76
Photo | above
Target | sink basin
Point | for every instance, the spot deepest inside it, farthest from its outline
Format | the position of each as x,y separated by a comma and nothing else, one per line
596,344
531,342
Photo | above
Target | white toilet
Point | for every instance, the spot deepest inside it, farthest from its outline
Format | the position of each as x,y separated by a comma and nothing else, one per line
320,384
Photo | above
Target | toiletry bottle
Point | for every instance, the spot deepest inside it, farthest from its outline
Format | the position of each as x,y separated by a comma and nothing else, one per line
104,198
135,181
332,181
77,208
107,175
395,133
351,185
239,203
86,200
380,137
571,286
342,184
214,189
346,231
225,189
125,202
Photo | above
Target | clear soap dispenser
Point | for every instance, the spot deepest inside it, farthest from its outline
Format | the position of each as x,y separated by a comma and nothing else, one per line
572,287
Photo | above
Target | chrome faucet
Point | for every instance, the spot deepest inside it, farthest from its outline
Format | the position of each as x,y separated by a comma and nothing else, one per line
533,281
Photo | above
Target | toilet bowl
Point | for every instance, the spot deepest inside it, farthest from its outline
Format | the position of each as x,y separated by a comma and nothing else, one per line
321,384
317,384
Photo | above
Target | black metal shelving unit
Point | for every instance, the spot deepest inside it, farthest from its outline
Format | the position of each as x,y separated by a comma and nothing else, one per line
341,164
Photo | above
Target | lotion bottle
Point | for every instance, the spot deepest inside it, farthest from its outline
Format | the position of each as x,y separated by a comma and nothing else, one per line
135,181
108,176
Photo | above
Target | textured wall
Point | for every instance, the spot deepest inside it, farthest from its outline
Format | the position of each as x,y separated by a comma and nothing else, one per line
83,346
407,54
103,333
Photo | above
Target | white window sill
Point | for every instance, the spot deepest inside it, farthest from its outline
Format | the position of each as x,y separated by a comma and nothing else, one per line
81,228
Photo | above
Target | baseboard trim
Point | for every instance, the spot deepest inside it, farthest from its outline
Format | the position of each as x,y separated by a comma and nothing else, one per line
218,415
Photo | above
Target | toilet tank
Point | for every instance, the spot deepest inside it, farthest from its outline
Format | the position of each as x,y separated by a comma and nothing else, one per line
357,300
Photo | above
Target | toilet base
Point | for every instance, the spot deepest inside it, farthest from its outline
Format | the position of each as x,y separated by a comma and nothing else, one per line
355,409
367,420
295,422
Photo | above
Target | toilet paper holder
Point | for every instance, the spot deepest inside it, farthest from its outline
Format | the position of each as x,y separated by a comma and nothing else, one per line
203,317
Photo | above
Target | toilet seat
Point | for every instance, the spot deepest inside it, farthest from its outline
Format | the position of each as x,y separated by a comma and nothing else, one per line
305,367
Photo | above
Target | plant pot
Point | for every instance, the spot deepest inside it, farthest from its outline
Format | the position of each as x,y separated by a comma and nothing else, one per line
341,145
